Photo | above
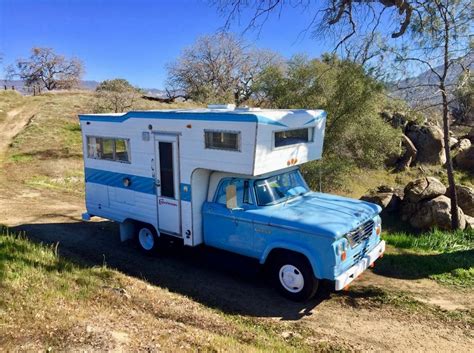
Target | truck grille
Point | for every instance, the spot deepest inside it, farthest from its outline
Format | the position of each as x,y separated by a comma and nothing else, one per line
358,235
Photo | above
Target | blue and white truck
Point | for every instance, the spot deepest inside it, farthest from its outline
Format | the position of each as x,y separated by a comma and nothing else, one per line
230,179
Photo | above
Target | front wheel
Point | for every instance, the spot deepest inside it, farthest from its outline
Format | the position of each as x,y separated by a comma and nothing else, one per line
147,238
294,278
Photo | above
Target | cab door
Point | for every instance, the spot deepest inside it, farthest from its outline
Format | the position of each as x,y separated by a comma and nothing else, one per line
167,181
230,229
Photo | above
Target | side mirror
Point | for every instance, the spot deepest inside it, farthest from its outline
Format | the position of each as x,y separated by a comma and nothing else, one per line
231,197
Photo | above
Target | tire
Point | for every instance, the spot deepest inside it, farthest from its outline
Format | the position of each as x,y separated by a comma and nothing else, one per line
147,238
293,277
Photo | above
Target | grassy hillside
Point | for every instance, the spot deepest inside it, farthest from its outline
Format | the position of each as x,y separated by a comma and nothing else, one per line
48,153
48,302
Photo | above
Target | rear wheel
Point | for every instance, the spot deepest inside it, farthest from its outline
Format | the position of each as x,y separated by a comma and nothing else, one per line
293,277
147,238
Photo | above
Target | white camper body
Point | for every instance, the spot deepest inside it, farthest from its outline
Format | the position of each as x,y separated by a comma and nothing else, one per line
155,166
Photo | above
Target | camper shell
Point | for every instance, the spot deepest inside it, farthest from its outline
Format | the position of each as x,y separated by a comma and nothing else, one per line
133,188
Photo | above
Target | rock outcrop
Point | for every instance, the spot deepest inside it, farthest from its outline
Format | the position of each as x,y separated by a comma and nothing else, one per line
428,140
435,213
423,188
465,159
424,203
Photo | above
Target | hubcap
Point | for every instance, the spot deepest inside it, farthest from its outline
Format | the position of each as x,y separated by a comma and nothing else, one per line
291,278
146,239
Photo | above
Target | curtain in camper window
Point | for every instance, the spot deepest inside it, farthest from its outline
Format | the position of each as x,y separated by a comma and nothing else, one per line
108,148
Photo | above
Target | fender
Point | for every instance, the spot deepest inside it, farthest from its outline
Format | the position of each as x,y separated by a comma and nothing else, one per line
313,260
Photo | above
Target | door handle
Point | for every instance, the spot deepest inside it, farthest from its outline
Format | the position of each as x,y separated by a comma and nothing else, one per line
157,183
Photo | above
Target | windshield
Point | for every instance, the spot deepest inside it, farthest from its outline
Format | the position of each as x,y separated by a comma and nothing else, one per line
280,187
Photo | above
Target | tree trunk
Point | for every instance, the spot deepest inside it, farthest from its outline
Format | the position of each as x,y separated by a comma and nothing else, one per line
449,163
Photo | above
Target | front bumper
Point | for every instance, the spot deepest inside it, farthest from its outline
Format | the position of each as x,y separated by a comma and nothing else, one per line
352,273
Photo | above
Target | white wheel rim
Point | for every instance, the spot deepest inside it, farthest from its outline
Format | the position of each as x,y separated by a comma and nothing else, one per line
146,239
291,278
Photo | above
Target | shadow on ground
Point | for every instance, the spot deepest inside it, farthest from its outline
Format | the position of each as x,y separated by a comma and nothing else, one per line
416,266
218,279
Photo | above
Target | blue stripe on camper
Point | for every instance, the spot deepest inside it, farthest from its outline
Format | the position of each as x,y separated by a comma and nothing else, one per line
319,117
173,115
104,177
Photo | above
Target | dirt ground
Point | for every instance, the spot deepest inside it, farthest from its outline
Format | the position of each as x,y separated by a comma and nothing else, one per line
235,286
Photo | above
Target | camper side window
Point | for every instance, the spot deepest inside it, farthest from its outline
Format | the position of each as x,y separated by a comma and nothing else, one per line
222,140
108,148
293,137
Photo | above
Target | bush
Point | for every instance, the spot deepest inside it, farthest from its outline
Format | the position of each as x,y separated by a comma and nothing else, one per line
356,135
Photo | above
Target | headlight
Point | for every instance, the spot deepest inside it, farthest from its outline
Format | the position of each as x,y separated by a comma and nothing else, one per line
341,247
378,225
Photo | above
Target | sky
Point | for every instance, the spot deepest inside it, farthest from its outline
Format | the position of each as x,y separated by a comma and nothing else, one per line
135,39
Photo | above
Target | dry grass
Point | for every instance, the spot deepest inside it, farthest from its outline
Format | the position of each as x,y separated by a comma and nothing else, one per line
48,302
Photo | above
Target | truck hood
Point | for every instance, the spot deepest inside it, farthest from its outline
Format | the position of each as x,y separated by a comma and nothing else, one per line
322,214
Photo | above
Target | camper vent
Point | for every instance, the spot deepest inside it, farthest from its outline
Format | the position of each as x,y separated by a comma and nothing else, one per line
221,106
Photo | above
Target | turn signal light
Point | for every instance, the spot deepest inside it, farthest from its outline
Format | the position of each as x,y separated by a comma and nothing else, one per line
343,256
378,230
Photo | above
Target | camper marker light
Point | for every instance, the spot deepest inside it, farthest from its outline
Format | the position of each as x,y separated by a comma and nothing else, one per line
127,182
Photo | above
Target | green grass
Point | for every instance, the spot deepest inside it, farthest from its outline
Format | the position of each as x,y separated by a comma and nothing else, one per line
30,268
434,240
446,257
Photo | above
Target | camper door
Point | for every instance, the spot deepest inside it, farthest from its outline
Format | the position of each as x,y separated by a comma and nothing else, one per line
167,183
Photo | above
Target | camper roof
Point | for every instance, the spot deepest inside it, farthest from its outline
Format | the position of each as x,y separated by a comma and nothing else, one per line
216,113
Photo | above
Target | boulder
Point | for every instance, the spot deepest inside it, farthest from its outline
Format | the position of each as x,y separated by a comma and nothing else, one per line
436,213
465,159
407,209
428,140
469,222
465,199
423,188
409,156
463,144
453,142
387,200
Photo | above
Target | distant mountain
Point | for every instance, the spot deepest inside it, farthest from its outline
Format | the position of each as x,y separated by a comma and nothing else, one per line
89,85
416,90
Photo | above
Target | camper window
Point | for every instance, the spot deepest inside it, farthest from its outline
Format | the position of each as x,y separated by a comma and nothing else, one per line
293,137
222,140
108,148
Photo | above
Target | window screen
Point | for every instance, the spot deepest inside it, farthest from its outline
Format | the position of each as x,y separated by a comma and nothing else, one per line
108,148
222,140
293,137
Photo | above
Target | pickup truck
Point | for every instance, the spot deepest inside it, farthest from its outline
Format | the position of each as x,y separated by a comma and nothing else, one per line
300,235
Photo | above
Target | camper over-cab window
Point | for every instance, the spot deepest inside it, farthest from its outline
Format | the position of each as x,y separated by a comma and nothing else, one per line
293,137
222,140
108,148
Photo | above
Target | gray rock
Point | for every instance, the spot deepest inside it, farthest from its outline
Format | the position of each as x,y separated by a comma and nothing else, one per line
469,222
428,140
387,200
423,188
409,156
436,213
465,199
453,142
465,159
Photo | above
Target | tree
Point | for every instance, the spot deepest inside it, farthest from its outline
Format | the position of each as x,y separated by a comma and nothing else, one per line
439,30
218,68
46,69
117,95
355,135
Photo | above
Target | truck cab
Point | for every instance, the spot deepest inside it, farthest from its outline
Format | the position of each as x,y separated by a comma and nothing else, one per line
302,236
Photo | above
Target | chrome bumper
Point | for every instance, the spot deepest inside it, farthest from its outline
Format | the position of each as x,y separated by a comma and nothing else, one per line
352,273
